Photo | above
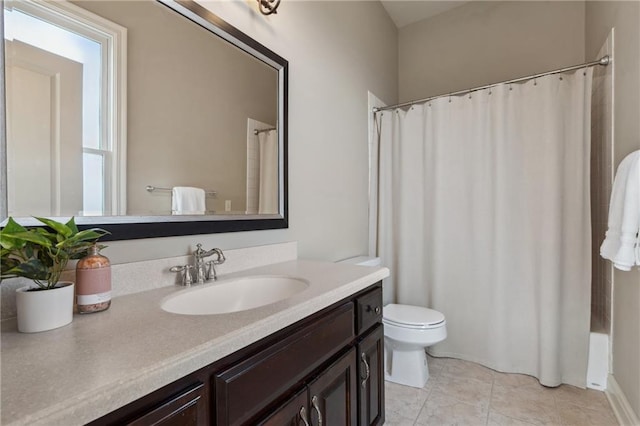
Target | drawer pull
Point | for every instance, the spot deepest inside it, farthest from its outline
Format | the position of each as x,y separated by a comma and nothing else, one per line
374,309
363,356
303,416
314,402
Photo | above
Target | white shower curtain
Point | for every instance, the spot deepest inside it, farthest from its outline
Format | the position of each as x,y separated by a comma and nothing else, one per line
484,215
268,183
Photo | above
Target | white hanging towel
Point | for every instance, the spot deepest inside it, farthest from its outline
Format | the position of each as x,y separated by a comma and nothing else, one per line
621,244
186,200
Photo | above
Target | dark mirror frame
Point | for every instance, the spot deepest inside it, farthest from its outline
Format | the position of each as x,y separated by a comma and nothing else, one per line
136,227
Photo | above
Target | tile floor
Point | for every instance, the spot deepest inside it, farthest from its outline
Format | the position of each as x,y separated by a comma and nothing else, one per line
464,393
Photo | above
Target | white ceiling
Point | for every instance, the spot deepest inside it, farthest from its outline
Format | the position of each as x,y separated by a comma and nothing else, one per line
405,12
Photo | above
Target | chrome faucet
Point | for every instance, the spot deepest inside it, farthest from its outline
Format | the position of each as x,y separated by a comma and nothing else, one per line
204,271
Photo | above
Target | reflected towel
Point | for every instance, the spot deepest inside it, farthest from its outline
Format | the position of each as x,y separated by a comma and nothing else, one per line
620,244
187,200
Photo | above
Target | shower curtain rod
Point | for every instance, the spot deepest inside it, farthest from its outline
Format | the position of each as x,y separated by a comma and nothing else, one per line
605,60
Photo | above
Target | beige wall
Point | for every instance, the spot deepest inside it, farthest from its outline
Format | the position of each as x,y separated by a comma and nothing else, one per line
624,16
601,186
488,42
336,52
189,96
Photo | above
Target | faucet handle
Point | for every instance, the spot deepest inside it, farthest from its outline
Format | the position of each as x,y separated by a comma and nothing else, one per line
211,270
187,279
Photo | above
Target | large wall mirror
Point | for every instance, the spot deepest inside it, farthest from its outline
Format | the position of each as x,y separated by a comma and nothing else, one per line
146,118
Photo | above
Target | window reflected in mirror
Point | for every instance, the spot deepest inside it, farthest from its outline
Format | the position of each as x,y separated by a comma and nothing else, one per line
181,119
56,116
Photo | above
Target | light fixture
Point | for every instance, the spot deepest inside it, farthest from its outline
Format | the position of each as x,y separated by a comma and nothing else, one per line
267,7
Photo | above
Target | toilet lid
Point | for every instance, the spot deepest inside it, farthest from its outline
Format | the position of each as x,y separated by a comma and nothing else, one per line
412,316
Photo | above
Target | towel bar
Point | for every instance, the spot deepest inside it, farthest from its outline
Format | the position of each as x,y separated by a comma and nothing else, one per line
157,188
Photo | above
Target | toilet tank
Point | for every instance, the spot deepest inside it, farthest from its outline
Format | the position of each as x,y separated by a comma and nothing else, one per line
362,260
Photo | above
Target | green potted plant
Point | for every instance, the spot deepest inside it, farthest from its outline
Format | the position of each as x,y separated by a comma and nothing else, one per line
41,254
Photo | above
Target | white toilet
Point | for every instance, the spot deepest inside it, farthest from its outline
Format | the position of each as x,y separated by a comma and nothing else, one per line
408,330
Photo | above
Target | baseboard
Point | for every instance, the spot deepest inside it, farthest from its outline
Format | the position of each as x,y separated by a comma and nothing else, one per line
621,407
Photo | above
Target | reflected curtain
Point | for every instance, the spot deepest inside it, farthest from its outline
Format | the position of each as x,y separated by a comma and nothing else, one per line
484,215
268,183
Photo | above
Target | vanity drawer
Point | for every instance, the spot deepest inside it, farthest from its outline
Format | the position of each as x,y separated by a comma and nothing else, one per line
187,408
245,389
369,309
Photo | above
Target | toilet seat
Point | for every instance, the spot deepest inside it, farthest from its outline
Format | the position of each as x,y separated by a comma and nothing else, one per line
413,317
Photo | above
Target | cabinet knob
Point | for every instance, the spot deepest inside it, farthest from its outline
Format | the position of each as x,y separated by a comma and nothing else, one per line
375,309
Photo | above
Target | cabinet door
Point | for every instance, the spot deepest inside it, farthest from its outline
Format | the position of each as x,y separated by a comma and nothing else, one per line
188,408
371,378
294,412
333,394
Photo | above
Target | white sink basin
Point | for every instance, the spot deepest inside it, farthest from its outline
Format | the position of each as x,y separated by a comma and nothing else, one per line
233,295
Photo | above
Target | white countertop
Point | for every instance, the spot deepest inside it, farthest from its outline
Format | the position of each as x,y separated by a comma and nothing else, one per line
103,361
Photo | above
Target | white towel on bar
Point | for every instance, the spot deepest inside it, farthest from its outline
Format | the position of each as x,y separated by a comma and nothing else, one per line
621,240
186,200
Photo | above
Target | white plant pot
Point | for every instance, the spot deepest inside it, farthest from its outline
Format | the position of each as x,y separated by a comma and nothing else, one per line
44,309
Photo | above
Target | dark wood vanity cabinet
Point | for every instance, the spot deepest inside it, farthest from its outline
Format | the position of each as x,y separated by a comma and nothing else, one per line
325,370
330,399
248,387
